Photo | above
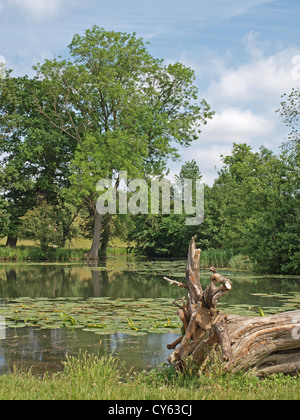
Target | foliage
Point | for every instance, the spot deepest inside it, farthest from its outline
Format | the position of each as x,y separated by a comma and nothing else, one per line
168,235
111,96
4,218
257,196
240,262
290,113
42,225
34,156
251,210
49,225
158,235
110,106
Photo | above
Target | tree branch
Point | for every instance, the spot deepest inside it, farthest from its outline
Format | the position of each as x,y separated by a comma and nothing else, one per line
179,284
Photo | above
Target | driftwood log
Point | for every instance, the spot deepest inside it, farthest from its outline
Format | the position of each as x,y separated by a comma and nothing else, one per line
265,345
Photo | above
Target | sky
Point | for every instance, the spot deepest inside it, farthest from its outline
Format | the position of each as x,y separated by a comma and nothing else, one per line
245,54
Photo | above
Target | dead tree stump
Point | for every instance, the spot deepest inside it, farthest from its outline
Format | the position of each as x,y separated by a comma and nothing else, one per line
265,345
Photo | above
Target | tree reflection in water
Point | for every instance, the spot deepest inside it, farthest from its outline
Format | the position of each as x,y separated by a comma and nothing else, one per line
45,350
126,278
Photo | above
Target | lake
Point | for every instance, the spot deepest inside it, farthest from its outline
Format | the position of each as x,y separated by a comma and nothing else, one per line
121,306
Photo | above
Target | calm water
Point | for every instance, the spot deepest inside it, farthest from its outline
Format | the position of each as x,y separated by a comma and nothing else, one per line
119,278
45,350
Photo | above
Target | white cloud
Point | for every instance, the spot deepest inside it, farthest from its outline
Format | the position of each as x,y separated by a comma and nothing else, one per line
244,97
262,79
38,9
230,125
208,157
234,124
233,8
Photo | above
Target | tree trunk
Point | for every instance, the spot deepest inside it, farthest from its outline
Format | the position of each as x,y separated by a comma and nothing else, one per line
265,345
66,229
93,254
11,241
105,235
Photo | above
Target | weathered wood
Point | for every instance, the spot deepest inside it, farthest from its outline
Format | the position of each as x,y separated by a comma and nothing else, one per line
282,362
179,284
263,344
255,339
224,339
175,344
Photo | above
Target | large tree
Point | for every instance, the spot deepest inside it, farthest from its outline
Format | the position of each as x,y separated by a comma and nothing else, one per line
35,157
126,109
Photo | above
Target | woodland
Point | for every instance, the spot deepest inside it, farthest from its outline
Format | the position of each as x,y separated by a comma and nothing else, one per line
110,106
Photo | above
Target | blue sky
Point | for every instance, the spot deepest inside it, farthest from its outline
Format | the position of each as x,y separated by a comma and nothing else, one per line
245,54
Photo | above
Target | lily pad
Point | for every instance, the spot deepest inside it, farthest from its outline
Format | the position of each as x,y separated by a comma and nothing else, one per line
97,315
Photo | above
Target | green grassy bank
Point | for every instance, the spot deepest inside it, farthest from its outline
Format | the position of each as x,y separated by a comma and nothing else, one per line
27,251
90,378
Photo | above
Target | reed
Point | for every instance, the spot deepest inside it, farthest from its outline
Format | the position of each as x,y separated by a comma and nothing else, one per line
216,257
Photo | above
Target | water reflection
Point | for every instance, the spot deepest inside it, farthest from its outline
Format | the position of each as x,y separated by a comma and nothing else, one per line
117,278
44,350
128,278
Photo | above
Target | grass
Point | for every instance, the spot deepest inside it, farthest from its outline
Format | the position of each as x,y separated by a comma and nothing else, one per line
90,378
225,258
28,250
216,257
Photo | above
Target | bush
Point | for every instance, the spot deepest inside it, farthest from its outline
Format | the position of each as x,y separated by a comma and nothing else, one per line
240,262
40,224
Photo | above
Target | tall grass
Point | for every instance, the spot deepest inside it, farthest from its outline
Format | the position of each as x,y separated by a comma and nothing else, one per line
92,378
216,257
225,258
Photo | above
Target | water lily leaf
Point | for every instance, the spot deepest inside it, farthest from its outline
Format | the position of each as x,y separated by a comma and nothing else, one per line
105,332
